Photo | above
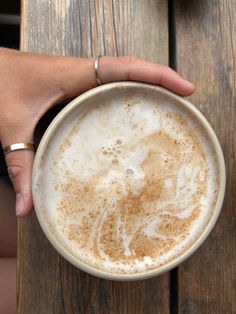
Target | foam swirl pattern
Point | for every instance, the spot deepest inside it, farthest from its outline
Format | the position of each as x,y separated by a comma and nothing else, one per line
129,183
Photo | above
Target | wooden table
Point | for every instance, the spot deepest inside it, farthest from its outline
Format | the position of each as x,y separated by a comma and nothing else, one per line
198,39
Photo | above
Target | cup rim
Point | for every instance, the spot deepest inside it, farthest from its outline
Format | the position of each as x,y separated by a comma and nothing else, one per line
219,202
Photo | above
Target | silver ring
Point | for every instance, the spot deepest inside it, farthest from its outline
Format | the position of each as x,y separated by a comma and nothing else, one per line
96,68
18,146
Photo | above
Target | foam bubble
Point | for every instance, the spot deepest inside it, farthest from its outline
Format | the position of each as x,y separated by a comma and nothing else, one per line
129,171
168,183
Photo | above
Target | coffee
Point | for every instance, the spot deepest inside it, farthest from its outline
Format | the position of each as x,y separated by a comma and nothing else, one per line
129,182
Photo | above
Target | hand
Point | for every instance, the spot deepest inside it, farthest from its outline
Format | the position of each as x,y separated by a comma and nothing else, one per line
30,84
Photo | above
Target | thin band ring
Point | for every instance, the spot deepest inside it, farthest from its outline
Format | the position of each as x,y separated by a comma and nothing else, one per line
96,68
18,146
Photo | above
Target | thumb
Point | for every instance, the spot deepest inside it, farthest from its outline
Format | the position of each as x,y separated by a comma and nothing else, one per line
19,164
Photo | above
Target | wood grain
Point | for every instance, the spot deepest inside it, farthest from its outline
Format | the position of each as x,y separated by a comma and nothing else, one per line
206,54
46,282
87,28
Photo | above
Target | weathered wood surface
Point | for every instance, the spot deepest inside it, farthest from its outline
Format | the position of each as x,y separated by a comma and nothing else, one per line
206,54
46,282
87,28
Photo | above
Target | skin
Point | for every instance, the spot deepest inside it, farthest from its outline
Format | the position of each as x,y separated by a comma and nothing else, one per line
8,285
30,85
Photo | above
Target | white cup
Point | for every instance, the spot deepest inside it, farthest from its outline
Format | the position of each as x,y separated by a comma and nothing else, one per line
92,96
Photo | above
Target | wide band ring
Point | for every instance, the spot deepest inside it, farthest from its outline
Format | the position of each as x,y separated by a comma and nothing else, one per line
96,68
18,146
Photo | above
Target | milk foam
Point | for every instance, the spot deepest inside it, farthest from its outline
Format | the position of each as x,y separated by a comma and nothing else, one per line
128,184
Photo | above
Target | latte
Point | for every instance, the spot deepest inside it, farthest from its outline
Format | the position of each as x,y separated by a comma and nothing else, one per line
128,181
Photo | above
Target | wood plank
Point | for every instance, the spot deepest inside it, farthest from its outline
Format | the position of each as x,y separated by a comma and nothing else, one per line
46,282
206,54
88,28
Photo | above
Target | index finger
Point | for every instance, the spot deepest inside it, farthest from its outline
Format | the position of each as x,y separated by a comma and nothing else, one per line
113,69
78,75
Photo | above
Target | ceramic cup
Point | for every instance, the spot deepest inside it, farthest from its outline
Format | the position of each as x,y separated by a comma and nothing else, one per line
43,153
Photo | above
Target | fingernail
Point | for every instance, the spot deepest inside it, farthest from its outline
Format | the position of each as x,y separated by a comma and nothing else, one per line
19,204
189,84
